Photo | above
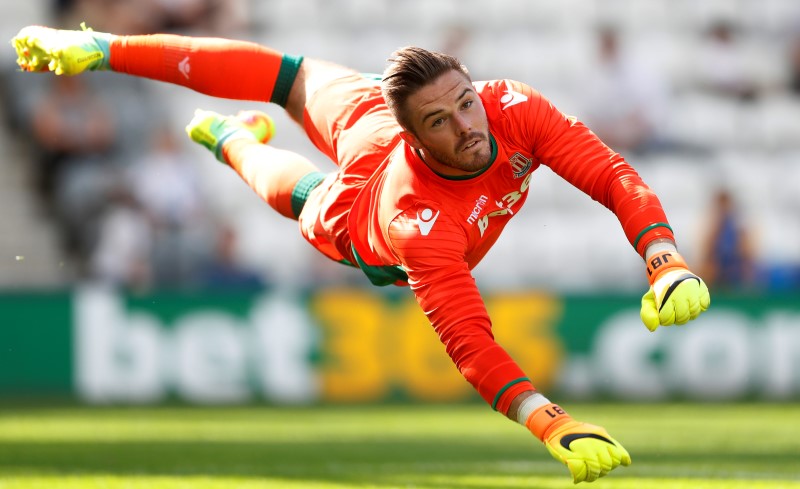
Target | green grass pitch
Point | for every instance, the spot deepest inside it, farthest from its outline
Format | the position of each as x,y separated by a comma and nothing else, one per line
711,446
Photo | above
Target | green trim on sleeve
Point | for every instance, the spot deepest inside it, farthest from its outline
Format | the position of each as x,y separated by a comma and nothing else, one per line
648,228
505,388
303,188
290,65
380,276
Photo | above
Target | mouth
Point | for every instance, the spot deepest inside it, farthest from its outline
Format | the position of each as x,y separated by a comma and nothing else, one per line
471,144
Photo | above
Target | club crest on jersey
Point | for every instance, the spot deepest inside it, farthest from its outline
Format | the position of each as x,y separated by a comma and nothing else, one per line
520,165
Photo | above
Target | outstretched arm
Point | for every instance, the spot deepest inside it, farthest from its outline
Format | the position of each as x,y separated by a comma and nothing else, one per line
446,291
572,151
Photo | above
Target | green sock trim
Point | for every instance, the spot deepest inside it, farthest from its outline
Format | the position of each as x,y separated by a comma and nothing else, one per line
104,43
290,65
648,228
303,188
505,388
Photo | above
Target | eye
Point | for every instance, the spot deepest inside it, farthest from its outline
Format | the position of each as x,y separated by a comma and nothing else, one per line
467,104
438,122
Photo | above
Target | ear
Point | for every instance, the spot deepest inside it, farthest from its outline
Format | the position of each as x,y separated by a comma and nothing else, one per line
410,139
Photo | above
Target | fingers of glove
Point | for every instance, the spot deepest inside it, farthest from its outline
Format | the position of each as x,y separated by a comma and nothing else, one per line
649,311
589,456
705,297
575,464
580,471
596,455
666,315
618,452
683,310
684,304
606,460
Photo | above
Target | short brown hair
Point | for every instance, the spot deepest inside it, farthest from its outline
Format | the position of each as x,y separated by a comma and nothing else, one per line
408,70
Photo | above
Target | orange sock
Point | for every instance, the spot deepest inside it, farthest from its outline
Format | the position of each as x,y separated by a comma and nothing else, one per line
282,178
225,68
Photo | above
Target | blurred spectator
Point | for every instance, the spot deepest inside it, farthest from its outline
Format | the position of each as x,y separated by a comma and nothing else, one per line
166,185
213,17
794,64
73,137
68,122
722,67
223,270
727,257
210,17
121,256
118,16
626,100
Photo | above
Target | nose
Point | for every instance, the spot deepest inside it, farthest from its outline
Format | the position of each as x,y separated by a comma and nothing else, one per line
462,125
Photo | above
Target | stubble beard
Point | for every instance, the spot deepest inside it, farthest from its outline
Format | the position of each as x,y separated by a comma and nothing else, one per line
470,163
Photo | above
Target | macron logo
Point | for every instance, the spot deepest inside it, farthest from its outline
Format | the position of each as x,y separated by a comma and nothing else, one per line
184,67
425,221
512,98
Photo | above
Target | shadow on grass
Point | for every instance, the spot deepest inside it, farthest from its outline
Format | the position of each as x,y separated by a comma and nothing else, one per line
423,463
373,463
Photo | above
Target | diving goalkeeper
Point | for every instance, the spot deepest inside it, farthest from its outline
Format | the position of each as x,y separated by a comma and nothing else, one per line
431,167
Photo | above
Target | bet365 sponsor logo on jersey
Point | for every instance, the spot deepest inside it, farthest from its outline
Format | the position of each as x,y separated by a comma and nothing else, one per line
505,206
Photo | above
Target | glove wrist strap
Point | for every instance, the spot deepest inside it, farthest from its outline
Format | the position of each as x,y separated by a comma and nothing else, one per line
546,419
659,263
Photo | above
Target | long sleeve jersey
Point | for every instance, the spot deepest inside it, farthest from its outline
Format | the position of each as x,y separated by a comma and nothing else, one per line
424,228
438,228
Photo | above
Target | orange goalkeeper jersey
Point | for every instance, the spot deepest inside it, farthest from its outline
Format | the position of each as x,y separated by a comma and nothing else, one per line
402,220
437,228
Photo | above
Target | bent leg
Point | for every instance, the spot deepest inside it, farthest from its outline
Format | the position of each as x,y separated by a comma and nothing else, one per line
282,178
312,75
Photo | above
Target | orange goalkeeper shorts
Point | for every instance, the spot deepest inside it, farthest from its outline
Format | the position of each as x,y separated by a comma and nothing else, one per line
349,122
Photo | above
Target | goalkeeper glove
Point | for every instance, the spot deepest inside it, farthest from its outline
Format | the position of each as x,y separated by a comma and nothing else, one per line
676,295
213,130
62,51
588,451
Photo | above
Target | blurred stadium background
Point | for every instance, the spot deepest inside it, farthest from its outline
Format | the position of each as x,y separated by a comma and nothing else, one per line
135,269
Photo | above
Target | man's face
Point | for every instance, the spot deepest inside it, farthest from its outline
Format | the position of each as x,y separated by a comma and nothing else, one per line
449,125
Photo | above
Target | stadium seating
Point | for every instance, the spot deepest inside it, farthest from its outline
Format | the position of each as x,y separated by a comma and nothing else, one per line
751,145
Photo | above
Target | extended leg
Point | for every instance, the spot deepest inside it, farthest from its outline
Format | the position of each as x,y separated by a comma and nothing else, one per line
226,68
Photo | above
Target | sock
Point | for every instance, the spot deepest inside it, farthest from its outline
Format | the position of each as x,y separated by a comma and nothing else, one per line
224,68
282,178
303,188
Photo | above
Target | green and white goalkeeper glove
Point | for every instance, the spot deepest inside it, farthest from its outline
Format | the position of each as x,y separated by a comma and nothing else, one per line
63,52
587,450
213,130
676,295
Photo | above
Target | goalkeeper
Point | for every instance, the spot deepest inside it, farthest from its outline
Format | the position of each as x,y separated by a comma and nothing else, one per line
431,167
